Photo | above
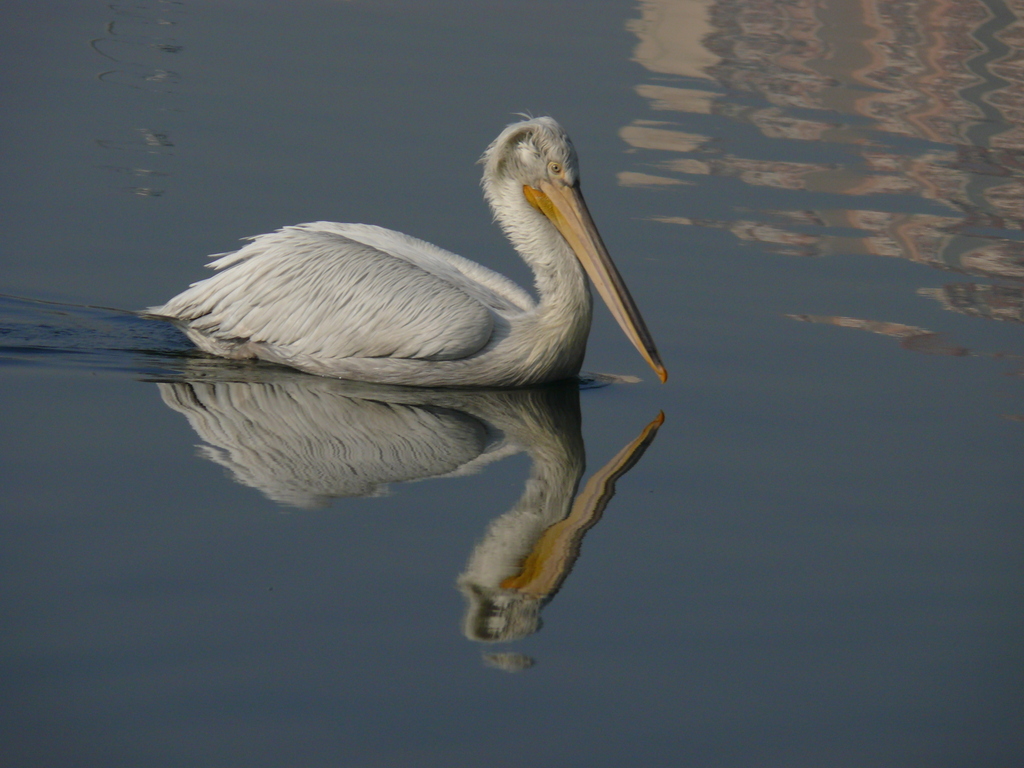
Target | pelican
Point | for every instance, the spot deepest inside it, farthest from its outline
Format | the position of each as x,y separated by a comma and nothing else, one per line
355,301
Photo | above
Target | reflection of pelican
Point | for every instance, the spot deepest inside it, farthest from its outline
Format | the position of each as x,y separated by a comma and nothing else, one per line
303,440
359,302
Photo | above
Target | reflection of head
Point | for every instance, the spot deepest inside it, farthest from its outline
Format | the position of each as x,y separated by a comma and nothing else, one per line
526,554
499,615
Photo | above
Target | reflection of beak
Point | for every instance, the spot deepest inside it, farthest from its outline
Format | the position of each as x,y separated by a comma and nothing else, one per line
565,207
552,557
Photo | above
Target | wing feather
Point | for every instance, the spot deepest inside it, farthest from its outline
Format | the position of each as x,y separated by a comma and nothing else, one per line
309,292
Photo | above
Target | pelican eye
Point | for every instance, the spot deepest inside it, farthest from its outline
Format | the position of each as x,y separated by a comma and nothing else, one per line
555,168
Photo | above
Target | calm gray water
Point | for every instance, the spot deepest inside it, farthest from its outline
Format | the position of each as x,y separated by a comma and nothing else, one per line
815,560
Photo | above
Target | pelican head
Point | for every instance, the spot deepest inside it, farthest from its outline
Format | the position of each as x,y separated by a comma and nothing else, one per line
531,180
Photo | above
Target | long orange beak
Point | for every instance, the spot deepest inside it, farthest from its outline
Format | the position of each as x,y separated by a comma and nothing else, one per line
565,207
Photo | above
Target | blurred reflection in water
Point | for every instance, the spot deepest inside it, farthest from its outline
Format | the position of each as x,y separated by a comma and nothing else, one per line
304,440
920,107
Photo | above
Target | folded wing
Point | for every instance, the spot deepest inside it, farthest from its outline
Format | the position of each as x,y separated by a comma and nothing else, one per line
308,292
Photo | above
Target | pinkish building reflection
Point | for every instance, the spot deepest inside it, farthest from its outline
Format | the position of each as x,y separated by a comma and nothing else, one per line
926,97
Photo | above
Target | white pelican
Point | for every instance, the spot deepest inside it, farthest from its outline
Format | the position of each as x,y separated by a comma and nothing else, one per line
355,301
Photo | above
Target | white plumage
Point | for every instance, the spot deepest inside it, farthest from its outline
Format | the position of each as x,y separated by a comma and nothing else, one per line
361,302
